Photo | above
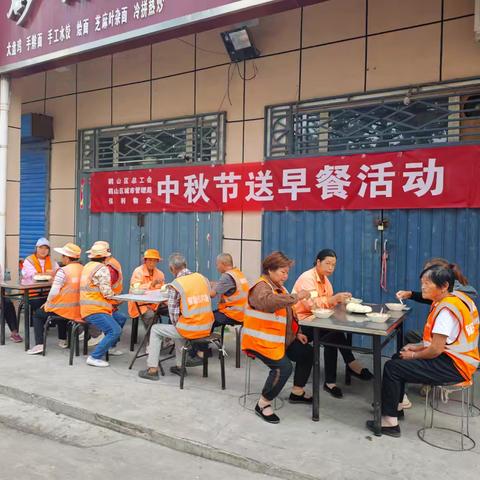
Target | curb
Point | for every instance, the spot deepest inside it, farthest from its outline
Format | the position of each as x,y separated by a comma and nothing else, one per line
176,443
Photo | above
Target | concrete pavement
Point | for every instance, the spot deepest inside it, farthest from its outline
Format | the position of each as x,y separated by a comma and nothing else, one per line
209,422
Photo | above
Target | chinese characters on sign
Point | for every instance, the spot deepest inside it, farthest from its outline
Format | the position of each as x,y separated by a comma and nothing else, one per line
428,178
82,28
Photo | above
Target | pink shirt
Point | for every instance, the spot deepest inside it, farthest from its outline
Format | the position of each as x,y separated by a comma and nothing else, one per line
310,281
28,270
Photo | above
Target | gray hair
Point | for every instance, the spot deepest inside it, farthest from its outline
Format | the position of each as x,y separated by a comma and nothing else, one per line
177,261
226,259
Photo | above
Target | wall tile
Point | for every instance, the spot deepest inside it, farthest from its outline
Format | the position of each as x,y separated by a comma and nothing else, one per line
173,96
94,74
234,248
276,81
34,107
131,66
277,33
333,21
386,15
210,48
94,109
63,111
252,225
173,56
404,58
457,8
461,53
32,87
11,255
63,165
13,154
333,69
15,109
62,212
131,103
251,260
232,225
254,140
13,210
212,96
61,81
234,134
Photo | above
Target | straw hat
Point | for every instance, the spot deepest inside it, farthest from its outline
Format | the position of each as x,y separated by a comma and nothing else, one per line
152,253
98,251
69,250
102,243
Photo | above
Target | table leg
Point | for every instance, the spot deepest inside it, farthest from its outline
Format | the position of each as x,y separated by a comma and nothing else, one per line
377,384
400,337
316,376
348,375
144,341
26,316
2,326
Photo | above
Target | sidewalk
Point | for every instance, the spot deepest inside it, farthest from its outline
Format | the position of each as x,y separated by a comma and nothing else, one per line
206,421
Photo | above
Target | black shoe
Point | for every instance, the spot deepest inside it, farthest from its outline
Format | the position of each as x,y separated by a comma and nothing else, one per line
194,362
268,418
334,391
390,431
300,399
177,371
148,376
365,374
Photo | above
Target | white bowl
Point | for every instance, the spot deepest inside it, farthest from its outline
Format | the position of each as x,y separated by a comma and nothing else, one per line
322,312
396,307
378,317
42,278
355,300
137,291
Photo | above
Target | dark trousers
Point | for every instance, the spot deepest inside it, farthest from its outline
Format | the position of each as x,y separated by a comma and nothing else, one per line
280,370
39,318
10,315
330,353
397,372
36,303
221,319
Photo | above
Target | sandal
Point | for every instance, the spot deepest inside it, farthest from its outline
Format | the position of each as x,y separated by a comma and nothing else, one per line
268,418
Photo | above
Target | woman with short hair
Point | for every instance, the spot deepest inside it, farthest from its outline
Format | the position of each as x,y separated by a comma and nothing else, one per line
272,334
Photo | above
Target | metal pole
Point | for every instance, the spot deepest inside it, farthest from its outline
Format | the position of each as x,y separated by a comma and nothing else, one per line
4,107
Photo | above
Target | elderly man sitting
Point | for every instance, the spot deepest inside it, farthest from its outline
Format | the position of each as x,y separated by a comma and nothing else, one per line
190,311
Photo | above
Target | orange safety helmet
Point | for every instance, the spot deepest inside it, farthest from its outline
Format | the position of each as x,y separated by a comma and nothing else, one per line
152,253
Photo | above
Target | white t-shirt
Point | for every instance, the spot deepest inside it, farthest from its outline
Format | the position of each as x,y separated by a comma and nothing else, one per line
446,324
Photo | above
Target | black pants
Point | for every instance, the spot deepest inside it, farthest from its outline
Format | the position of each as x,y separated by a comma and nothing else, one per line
280,370
397,372
221,319
330,353
10,315
36,303
39,318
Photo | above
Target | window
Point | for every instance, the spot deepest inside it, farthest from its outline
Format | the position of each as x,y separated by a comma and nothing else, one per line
382,122
193,140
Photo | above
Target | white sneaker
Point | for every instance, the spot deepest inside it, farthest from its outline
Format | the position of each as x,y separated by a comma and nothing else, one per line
94,362
81,336
63,344
35,350
115,352
95,340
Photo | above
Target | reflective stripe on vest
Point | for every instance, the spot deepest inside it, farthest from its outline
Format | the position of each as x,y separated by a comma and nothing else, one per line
464,350
67,303
265,332
91,299
233,306
196,316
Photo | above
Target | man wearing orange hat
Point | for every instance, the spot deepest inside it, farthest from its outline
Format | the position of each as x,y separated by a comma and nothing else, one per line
63,299
147,277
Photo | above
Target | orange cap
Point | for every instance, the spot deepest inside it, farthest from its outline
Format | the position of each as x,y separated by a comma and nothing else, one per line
152,253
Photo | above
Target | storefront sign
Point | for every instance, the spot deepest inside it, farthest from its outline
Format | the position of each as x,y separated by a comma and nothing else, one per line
38,31
445,177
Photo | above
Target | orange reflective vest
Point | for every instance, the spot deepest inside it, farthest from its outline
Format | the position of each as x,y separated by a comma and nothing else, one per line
91,298
264,332
67,303
196,315
464,350
141,275
233,306
46,267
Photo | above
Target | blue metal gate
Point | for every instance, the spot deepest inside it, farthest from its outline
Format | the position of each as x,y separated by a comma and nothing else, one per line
34,180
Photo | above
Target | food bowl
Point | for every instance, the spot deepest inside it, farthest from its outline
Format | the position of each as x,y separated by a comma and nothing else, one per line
137,291
396,307
378,317
355,300
42,278
322,312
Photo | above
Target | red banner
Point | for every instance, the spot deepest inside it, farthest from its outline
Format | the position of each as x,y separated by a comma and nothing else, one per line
444,177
